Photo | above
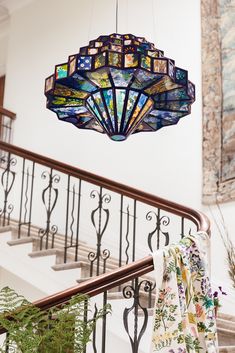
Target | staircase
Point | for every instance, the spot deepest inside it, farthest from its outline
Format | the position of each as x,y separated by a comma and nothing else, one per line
101,228
225,323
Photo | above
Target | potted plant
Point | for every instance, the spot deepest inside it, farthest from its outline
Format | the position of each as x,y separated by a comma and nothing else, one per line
58,330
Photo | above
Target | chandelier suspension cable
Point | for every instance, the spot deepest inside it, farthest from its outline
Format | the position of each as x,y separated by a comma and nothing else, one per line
117,16
127,16
91,19
154,22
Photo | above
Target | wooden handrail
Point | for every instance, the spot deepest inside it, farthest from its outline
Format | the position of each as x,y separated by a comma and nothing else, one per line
7,113
196,217
97,285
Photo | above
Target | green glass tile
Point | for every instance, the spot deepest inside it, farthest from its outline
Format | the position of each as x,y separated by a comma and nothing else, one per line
100,60
61,71
146,62
115,59
100,78
66,101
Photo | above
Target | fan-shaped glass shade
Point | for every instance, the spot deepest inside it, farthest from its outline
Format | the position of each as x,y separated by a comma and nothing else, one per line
119,85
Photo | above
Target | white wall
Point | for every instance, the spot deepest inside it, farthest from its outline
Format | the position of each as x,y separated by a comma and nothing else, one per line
32,278
3,46
39,39
167,163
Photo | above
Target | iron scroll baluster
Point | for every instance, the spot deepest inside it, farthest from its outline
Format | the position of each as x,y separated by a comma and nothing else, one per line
134,291
127,221
99,219
72,224
127,233
49,198
7,181
94,331
26,199
160,220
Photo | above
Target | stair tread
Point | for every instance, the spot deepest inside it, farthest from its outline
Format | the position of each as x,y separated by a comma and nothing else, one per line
225,330
69,265
19,241
226,317
224,349
41,253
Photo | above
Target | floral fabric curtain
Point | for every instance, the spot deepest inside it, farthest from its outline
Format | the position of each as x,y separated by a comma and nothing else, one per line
184,316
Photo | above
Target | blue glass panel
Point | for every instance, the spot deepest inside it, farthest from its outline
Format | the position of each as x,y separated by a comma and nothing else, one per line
121,78
67,111
174,106
120,98
108,97
99,101
153,122
163,118
84,62
130,105
83,119
142,127
142,101
83,84
143,79
118,137
146,45
176,94
94,110
94,125
191,89
164,85
137,114
71,119
181,76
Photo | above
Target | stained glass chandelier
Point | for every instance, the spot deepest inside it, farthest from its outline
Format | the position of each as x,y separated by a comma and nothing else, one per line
119,85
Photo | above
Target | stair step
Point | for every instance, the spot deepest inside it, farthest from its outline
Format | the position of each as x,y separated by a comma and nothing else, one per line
4,229
85,264
226,317
83,250
226,324
84,279
225,349
59,242
41,253
69,266
24,240
226,337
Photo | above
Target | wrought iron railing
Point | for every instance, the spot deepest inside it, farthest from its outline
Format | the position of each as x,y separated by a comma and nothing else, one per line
105,282
6,121
96,224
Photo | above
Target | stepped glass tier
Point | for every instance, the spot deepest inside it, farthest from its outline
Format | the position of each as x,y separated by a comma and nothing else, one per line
119,85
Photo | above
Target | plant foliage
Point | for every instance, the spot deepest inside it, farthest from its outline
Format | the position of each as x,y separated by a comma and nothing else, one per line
229,246
58,330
